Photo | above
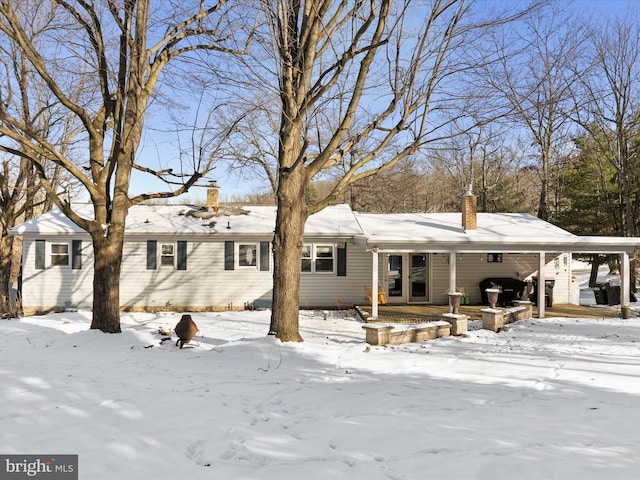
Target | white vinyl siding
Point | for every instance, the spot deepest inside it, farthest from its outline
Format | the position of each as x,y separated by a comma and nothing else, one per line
205,282
54,287
334,291
472,268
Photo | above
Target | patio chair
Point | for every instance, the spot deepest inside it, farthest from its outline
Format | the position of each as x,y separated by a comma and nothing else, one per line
382,298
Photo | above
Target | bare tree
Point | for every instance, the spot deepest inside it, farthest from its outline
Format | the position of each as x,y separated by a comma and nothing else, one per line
360,86
21,196
534,74
487,158
254,154
609,111
14,193
399,189
118,51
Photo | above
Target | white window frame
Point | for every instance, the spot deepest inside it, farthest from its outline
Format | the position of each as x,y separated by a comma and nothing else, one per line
51,254
314,258
307,254
162,255
255,260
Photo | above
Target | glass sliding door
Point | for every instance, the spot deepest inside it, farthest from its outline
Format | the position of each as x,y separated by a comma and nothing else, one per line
418,281
395,277
407,278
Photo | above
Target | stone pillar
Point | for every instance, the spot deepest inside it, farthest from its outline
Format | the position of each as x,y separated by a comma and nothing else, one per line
377,334
528,313
492,319
458,322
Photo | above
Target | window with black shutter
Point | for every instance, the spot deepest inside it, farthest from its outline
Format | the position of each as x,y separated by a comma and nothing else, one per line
182,255
76,254
229,261
341,270
152,252
40,254
264,256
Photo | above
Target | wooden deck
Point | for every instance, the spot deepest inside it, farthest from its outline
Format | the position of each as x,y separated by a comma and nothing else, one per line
422,313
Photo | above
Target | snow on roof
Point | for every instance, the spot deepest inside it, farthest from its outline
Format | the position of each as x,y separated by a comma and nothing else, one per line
51,222
504,231
424,227
189,219
391,231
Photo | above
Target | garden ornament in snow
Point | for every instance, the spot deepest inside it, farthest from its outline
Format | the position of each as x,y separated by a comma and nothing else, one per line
186,329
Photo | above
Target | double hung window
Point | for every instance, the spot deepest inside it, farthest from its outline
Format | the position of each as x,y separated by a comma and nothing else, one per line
60,254
318,258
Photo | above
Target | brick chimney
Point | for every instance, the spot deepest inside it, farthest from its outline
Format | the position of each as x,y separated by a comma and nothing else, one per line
212,196
469,210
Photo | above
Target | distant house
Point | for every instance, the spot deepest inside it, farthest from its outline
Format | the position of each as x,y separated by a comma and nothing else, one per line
181,257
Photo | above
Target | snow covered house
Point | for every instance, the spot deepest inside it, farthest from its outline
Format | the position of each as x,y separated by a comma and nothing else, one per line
188,258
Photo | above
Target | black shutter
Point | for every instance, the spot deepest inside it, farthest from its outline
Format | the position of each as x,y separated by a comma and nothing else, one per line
182,255
40,255
152,254
264,256
342,261
76,254
229,261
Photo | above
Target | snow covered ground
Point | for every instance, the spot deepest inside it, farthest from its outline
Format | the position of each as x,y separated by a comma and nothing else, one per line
549,399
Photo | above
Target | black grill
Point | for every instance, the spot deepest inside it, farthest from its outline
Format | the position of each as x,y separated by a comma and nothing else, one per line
511,289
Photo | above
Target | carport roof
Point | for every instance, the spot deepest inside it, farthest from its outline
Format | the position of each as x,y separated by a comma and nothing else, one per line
503,232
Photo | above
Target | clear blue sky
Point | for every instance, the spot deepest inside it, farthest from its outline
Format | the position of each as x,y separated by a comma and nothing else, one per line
164,148
605,7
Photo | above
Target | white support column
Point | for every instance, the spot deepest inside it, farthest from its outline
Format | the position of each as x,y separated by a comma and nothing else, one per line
541,284
374,286
452,272
625,285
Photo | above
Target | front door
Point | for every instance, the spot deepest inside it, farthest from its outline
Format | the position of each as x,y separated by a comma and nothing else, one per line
418,279
396,278
407,278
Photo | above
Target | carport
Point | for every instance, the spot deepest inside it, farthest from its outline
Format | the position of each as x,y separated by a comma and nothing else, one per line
480,234
621,246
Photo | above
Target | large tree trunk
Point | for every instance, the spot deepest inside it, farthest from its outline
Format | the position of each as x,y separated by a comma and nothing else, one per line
543,206
287,251
107,252
596,261
6,242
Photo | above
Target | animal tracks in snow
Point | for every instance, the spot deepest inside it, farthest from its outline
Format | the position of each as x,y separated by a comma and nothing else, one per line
554,373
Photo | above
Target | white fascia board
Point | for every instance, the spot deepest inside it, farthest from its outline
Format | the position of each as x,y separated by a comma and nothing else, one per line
505,244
